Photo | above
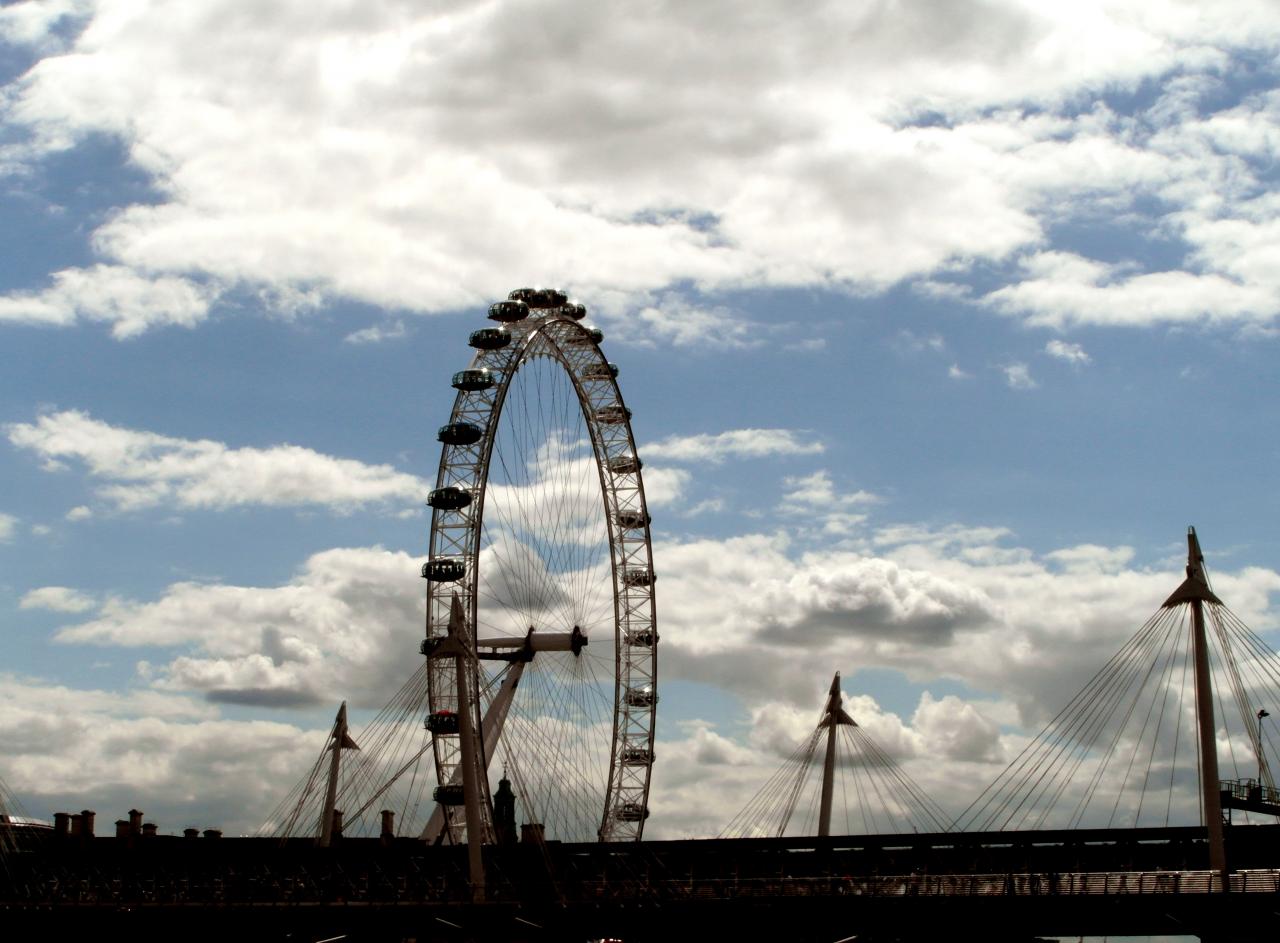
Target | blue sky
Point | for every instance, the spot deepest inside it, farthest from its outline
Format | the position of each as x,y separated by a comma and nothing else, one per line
939,323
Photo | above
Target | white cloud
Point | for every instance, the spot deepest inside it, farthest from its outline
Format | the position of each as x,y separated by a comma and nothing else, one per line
30,22
955,372
735,443
131,302
909,342
1063,289
814,497
81,512
8,524
377,333
922,144
1073,354
145,469
41,530
1018,376
57,599
753,615
342,627
171,756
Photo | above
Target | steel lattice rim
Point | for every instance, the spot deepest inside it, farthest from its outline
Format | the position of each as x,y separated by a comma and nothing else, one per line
456,534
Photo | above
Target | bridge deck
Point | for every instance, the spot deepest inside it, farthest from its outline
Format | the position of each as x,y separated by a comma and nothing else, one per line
987,885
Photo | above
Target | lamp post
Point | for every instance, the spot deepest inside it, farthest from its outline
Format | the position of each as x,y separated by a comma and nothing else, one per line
1262,712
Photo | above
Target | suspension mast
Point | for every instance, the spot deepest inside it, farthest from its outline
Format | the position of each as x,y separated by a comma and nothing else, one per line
833,717
1195,591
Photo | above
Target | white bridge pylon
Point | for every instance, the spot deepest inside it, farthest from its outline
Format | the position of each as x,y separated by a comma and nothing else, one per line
855,776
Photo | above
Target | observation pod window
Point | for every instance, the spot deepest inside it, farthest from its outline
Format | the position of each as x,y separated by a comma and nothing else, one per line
637,756
508,312
601,371
443,722
632,812
633,520
444,570
472,381
521,294
460,433
642,639
449,499
574,311
625,465
545,298
641,697
588,335
448,794
489,338
612,415
637,576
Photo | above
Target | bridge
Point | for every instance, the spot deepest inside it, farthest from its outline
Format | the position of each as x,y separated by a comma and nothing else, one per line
540,659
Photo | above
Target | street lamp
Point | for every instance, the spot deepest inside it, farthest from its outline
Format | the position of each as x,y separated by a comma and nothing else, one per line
1262,712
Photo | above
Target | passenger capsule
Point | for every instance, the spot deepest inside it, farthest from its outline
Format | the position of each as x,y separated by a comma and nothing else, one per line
625,464
588,335
637,756
632,812
489,338
460,433
642,638
508,311
428,646
444,571
449,499
472,381
443,722
632,520
448,794
637,576
612,415
546,298
641,697
601,371
575,311
522,294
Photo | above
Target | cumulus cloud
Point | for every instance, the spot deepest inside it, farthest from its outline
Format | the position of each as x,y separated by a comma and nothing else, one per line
8,524
735,443
377,333
1018,376
145,469
814,497
57,599
168,755
1073,354
341,628
646,170
130,301
758,616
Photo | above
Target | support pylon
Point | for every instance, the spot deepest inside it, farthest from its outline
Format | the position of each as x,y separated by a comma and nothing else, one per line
1196,592
833,717
340,740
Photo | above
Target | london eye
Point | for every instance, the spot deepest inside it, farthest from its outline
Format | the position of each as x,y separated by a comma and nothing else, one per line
540,542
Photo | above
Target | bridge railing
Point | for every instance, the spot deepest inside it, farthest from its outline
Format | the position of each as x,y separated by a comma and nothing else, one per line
939,885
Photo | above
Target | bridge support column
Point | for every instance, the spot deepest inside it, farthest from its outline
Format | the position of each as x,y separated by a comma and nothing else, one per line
1195,591
833,718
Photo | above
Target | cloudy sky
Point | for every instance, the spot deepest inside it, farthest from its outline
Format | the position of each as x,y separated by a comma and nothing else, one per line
940,321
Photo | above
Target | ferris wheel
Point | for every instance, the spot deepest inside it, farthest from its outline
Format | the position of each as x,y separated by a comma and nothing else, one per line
540,580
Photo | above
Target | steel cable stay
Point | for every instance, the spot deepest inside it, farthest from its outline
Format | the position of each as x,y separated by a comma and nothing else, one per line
870,786
1130,734
1071,725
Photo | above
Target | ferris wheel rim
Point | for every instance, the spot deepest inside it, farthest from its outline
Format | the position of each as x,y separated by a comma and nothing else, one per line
577,355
